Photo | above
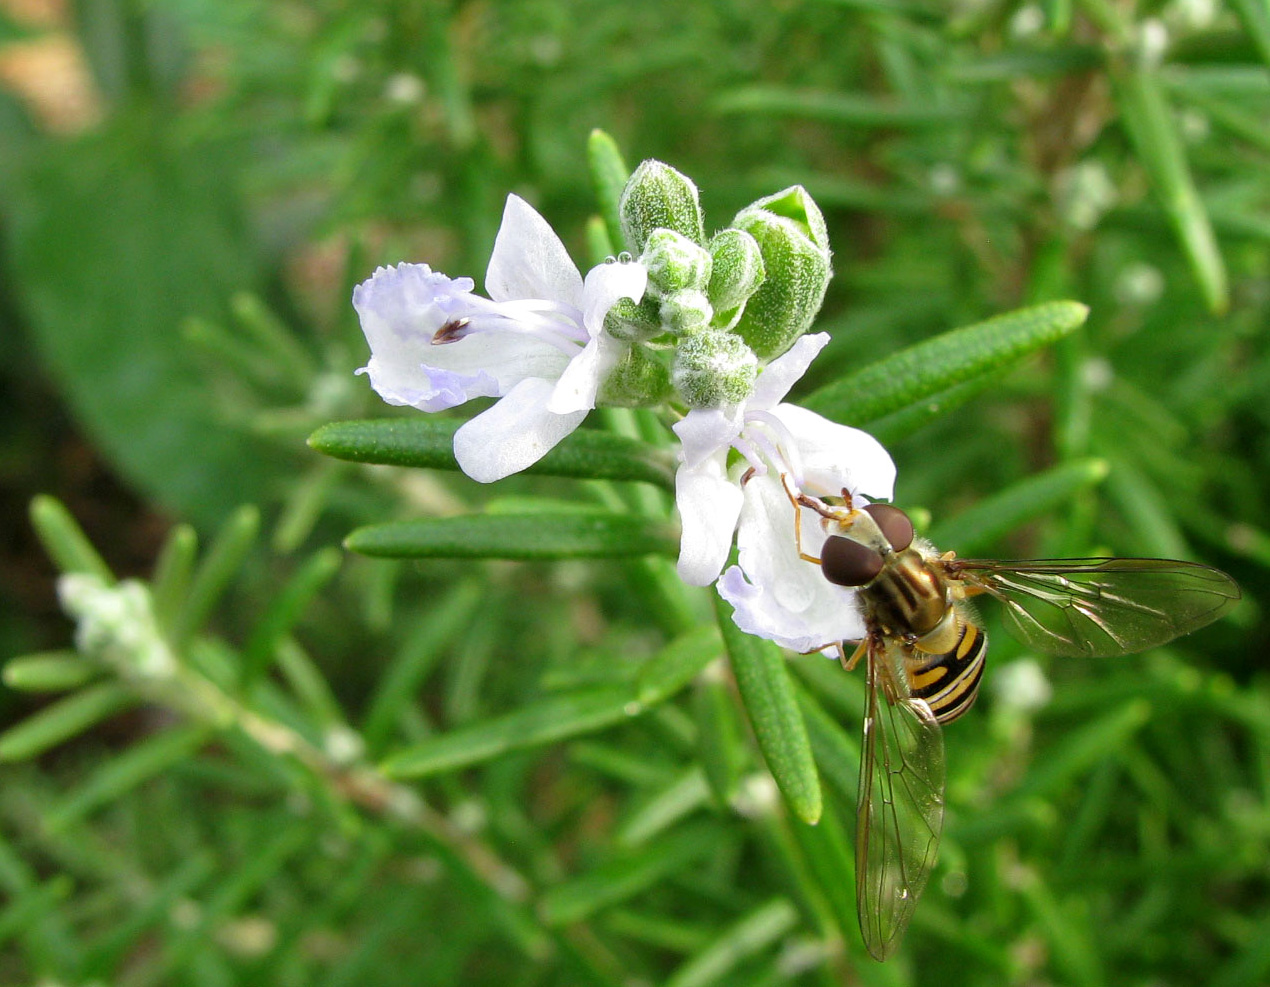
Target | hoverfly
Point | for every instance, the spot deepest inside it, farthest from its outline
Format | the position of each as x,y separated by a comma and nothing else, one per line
925,651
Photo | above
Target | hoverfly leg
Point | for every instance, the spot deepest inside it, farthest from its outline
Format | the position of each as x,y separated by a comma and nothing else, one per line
850,663
797,500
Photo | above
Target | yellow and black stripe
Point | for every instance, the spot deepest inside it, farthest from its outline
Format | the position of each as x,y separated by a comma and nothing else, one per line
949,682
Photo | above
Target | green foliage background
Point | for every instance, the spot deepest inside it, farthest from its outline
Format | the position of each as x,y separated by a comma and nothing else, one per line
473,771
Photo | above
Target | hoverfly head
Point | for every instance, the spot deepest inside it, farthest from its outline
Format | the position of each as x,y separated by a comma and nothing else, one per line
860,541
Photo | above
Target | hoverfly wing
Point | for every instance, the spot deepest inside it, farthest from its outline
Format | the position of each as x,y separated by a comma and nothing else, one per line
900,812
1101,607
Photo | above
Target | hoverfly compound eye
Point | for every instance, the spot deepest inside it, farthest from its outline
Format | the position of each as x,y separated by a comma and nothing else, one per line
848,563
893,523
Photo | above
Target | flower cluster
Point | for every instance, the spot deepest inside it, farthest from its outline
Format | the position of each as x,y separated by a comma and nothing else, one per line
711,327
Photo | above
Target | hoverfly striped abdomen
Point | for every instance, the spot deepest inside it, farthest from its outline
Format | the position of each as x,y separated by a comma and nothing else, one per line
949,682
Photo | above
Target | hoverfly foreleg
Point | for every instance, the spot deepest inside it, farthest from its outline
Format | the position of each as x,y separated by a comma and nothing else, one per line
850,663
797,500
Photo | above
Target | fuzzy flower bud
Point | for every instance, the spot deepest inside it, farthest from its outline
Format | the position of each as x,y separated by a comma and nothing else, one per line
794,242
675,263
714,370
117,624
737,271
637,381
686,312
658,197
634,321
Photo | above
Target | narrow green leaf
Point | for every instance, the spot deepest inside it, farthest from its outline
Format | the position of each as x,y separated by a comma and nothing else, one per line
1083,749
753,933
608,177
625,877
308,684
721,742
590,534
64,540
1150,125
63,720
284,610
830,860
228,550
429,443
981,526
1021,63
912,419
932,367
274,339
768,695
50,671
837,751
850,109
535,724
1147,511
1255,15
683,796
172,573
408,669
124,772
677,664
598,244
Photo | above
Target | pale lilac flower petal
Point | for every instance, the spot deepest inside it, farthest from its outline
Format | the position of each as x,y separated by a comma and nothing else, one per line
529,261
705,431
775,593
515,433
785,371
604,285
836,457
709,505
581,379
401,309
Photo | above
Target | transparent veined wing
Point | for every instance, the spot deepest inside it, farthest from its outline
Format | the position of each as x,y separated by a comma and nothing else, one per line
1101,607
901,806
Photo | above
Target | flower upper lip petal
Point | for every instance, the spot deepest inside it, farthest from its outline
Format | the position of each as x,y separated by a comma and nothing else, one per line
785,371
529,261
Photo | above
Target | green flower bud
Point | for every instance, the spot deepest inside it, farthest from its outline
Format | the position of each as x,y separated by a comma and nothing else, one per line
658,197
686,313
675,263
713,369
794,243
737,271
634,321
638,381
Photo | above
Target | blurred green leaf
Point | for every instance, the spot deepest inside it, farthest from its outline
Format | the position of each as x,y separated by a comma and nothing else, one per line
217,569
141,762
55,671
429,443
983,525
751,934
285,609
1255,15
932,367
113,241
1149,122
540,535
626,876
64,540
63,720
770,703
608,178
848,109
